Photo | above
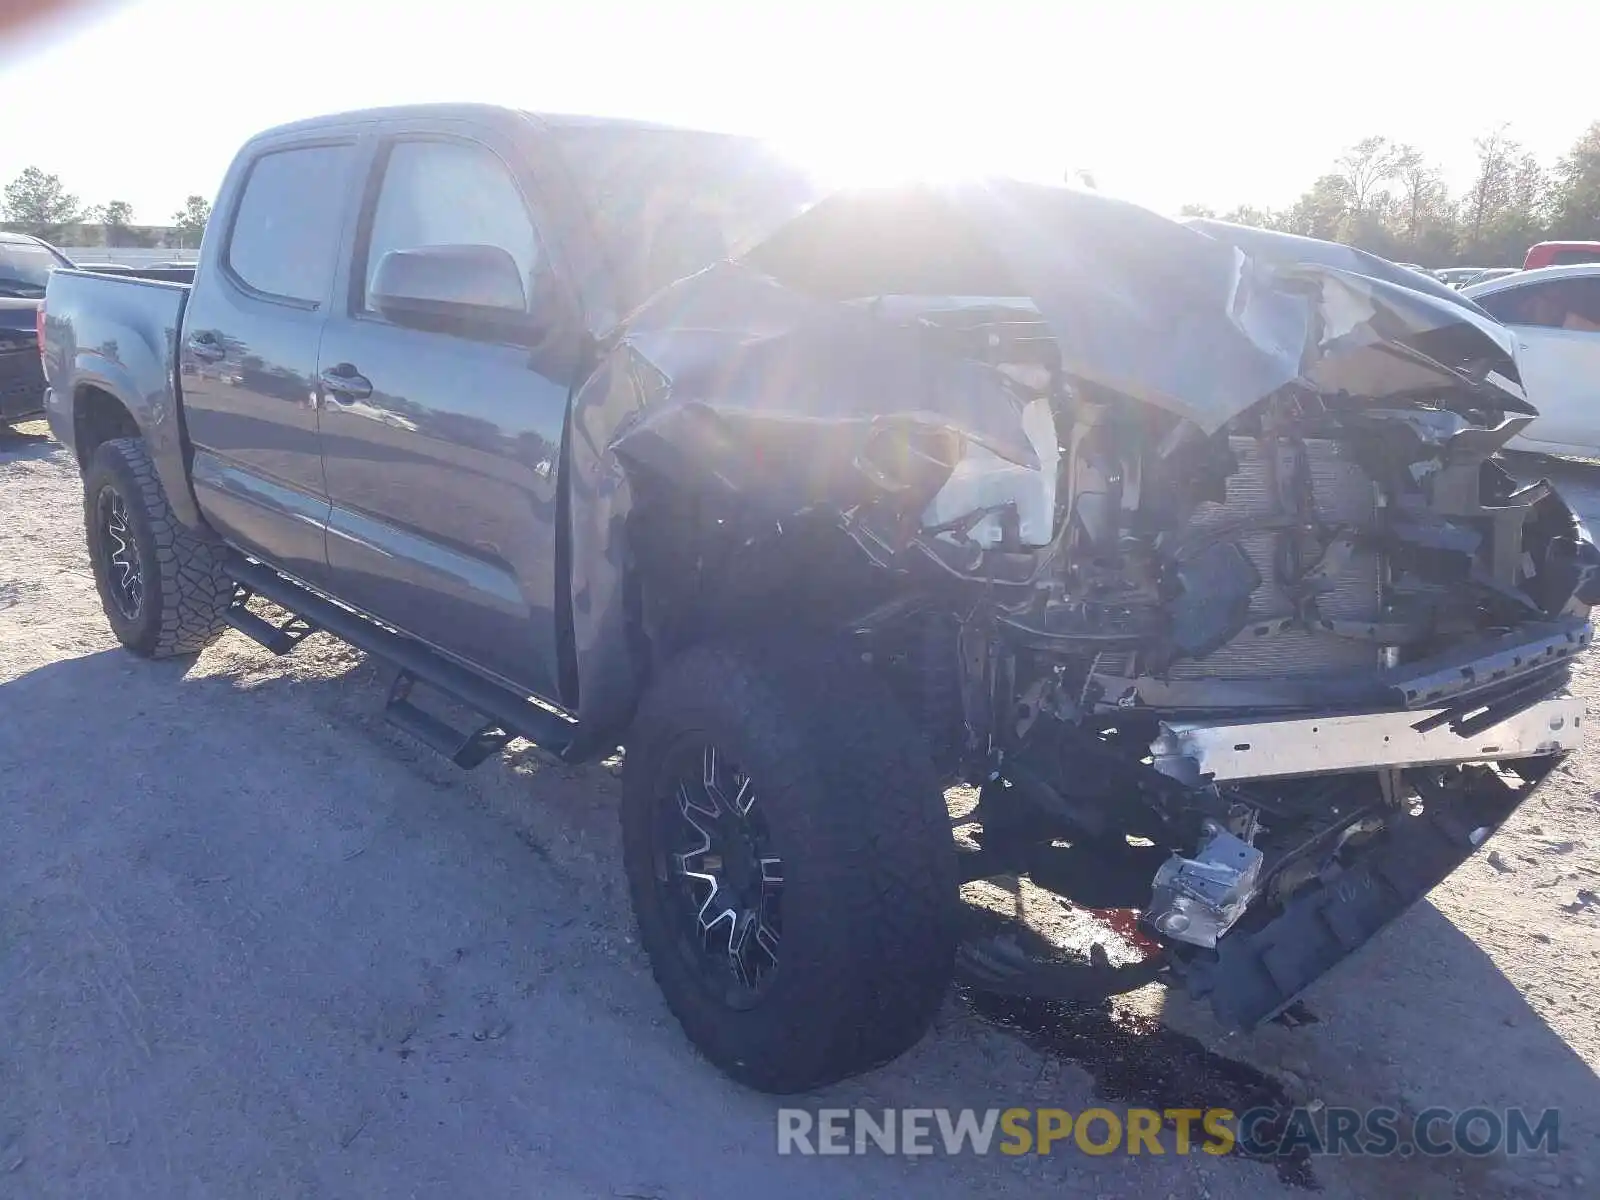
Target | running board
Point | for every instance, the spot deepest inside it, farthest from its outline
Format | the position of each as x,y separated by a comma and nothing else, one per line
280,639
506,714
466,750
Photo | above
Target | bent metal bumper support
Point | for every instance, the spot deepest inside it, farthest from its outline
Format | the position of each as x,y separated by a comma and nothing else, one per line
1258,968
1196,752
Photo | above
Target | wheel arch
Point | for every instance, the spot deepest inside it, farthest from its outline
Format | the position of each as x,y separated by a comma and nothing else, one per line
106,407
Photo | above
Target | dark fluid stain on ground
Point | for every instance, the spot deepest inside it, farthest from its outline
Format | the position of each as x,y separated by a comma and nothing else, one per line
1141,1064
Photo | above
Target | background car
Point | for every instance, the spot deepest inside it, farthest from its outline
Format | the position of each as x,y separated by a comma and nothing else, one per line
1459,276
25,266
1560,254
1555,313
1494,273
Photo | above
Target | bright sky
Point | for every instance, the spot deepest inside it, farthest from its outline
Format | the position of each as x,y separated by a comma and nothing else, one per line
1164,102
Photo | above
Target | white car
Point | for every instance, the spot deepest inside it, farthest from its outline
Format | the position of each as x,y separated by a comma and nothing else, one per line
1555,314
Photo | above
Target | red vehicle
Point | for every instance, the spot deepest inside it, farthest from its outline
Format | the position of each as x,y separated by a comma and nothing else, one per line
1561,254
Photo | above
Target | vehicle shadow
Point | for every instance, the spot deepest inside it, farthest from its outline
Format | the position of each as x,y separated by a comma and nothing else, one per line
1422,1017
31,442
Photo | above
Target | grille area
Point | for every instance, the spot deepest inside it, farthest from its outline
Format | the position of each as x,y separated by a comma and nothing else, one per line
1344,495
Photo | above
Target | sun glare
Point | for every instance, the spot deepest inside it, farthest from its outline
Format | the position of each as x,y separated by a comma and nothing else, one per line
866,156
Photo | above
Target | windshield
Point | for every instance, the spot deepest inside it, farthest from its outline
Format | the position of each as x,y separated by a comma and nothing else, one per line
25,268
666,203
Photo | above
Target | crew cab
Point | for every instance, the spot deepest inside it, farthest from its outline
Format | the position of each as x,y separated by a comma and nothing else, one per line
1186,545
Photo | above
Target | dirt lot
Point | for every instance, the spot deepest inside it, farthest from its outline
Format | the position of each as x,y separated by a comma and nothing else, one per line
255,943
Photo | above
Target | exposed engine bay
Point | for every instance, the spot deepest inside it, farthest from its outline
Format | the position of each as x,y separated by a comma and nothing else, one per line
1204,569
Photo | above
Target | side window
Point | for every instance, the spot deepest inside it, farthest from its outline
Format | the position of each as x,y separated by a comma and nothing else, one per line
449,194
1572,304
285,233
1567,258
1514,306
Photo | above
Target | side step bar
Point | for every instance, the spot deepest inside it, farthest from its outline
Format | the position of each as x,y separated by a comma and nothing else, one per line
280,639
506,714
466,750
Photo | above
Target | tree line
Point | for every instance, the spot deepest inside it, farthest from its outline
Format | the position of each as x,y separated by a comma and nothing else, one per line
1387,197
39,203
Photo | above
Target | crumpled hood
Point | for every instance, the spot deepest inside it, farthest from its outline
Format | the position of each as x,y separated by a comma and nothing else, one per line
758,381
1202,319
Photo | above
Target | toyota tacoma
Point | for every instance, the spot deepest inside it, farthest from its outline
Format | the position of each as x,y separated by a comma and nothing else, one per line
1186,545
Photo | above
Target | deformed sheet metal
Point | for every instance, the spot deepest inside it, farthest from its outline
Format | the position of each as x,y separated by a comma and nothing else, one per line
756,379
1229,751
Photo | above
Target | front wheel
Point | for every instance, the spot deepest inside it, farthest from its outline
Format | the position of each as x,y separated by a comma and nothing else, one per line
790,860
161,584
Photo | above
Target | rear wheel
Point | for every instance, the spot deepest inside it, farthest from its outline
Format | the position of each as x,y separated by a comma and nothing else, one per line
162,585
790,861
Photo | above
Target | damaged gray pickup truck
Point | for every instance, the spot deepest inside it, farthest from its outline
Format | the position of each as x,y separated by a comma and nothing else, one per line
1187,545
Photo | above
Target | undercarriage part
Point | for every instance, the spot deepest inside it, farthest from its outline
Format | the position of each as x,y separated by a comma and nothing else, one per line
1002,966
1314,481
1532,647
502,708
1223,751
1197,900
1257,972
920,660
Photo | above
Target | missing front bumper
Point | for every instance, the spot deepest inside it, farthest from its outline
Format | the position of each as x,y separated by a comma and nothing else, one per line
1260,968
1196,752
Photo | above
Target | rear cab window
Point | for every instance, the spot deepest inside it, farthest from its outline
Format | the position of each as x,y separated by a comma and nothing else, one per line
283,241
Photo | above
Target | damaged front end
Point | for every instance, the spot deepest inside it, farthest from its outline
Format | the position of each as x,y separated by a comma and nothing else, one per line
1188,546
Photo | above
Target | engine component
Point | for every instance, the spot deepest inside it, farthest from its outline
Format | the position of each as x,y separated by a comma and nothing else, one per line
1339,494
1197,900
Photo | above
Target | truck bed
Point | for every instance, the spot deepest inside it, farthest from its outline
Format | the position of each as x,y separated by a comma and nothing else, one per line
118,334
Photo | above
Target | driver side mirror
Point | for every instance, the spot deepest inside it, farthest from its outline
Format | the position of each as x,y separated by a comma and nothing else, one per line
452,289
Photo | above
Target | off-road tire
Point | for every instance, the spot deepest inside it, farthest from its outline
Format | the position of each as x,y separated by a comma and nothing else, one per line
186,590
870,892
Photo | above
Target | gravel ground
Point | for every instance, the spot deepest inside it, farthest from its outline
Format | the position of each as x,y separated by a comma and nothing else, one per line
253,942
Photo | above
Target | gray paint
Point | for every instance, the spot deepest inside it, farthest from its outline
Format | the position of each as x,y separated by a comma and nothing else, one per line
442,485
119,336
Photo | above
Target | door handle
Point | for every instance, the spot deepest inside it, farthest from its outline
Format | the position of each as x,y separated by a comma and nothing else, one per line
206,348
345,383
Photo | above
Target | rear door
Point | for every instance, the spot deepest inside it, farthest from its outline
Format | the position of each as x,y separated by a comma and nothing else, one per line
442,449
1557,325
249,352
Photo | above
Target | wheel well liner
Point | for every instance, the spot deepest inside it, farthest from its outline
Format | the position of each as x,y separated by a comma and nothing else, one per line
97,418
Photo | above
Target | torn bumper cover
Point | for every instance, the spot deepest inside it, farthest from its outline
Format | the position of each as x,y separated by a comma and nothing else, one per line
1262,966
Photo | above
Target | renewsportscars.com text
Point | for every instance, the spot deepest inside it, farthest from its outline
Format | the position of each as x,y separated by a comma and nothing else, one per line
1256,1132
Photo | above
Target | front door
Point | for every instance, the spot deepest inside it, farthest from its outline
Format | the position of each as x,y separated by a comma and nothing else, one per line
249,354
441,450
